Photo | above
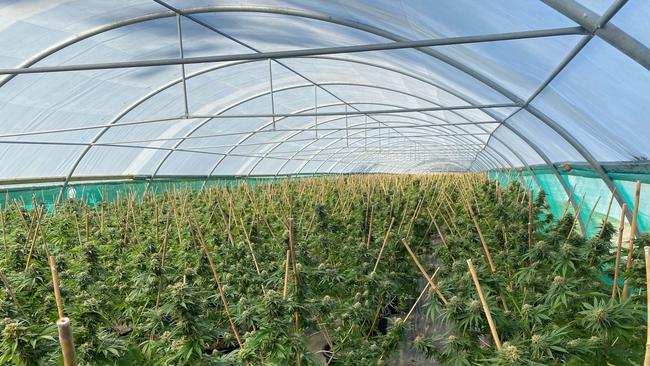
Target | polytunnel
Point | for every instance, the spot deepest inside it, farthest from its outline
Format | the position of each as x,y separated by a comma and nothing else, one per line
555,90
101,99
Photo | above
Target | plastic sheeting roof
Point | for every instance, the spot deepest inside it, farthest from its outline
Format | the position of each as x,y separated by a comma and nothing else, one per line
507,83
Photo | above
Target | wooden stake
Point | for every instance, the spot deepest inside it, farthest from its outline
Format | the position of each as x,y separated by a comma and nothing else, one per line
66,341
633,225
250,245
480,235
440,234
646,360
295,272
220,288
390,226
530,220
575,218
4,231
568,202
591,213
162,261
286,275
63,324
426,287
416,213
486,308
372,212
31,247
424,272
9,290
401,221
55,285
609,207
619,243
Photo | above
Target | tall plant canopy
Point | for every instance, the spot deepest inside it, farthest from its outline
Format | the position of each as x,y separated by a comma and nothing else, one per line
556,91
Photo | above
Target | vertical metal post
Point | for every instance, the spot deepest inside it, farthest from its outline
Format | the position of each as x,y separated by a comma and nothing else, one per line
181,53
347,131
316,108
271,87
379,128
365,133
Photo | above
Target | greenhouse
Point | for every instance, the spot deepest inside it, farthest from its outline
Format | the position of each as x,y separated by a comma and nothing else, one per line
324,182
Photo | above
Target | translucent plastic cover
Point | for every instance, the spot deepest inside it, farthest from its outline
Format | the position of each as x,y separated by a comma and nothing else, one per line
501,84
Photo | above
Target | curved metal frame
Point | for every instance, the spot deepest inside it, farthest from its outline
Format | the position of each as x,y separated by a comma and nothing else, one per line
295,153
379,88
307,14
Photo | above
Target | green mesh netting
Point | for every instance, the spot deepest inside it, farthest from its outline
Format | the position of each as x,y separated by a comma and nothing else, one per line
94,192
584,182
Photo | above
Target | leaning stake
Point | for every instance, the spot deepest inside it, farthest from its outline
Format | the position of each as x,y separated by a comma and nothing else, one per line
486,308
633,225
480,235
63,324
619,244
424,273
646,360
222,294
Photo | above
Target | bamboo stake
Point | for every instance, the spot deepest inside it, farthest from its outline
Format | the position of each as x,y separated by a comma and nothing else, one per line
311,223
633,225
63,324
31,247
162,261
426,287
293,253
374,320
4,232
295,273
32,222
20,214
497,189
591,213
646,360
575,218
250,246
416,213
220,288
619,244
486,307
609,207
568,202
66,341
390,226
530,220
86,222
442,236
480,235
424,273
401,221
43,238
9,290
424,290
101,220
55,285
286,275
372,212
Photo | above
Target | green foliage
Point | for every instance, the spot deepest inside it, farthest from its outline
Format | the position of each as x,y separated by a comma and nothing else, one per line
548,301
139,288
138,284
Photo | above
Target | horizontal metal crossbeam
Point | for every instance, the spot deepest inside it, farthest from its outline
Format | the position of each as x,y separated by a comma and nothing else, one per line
302,52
